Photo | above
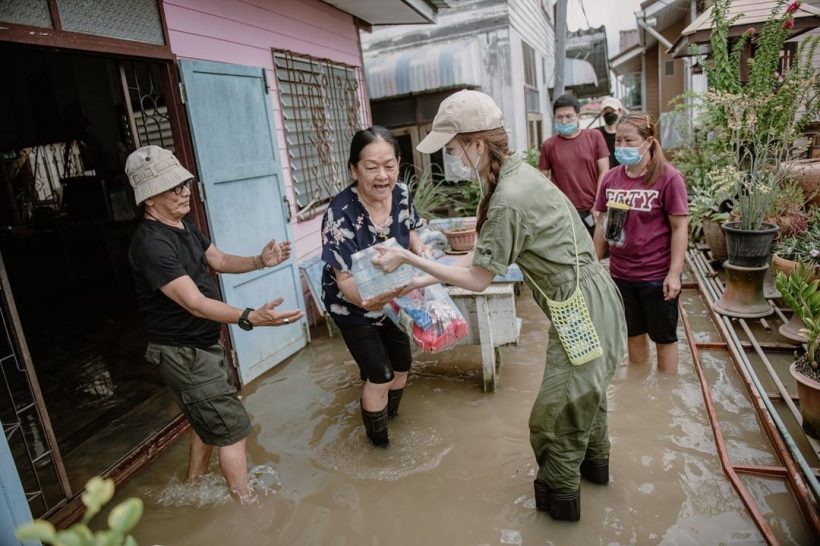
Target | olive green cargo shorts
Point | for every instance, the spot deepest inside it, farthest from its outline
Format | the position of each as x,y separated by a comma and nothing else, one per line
200,381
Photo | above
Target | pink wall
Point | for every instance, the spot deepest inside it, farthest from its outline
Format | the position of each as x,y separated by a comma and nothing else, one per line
244,32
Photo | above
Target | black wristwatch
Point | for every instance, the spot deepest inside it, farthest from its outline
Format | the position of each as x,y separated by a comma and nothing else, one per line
244,323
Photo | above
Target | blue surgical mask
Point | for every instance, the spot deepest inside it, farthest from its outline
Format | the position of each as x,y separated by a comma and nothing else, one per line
628,156
566,129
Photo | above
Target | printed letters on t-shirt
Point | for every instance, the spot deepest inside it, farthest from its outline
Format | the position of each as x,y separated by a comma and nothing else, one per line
641,200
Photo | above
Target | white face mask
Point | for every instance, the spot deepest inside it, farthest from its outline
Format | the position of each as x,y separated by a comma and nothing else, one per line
455,169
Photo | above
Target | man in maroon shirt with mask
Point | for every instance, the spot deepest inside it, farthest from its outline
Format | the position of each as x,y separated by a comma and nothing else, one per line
575,159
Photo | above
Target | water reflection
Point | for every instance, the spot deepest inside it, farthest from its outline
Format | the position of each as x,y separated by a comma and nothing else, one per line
459,468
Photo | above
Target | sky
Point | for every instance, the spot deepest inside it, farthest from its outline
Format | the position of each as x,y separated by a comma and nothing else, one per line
616,15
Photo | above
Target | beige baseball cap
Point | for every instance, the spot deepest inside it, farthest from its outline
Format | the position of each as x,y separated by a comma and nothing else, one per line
465,111
153,170
611,102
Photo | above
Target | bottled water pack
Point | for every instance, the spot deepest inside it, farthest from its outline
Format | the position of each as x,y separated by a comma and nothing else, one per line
372,281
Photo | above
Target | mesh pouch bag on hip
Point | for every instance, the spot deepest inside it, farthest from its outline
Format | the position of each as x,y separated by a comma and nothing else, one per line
571,317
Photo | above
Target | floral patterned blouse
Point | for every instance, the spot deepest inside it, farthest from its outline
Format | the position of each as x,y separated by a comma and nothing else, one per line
347,229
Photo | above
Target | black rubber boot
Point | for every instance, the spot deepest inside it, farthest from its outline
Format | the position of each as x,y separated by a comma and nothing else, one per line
542,496
596,471
565,505
375,424
393,401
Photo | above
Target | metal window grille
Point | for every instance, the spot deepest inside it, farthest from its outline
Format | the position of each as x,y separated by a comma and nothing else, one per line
147,120
321,103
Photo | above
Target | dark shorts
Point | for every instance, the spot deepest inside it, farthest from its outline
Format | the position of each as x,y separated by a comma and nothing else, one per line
647,312
200,381
379,350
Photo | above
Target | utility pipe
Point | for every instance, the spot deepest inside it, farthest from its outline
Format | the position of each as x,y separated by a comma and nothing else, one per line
639,18
782,441
784,395
720,444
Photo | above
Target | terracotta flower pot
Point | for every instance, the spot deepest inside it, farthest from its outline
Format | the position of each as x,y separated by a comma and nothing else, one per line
787,266
463,237
715,239
808,391
807,173
749,248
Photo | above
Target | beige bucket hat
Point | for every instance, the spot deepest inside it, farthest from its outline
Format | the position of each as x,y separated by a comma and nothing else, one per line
465,111
612,102
153,170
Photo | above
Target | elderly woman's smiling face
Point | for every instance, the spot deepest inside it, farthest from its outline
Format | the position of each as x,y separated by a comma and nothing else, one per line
377,171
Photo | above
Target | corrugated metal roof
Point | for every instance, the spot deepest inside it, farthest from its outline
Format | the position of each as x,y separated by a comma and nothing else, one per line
391,12
424,68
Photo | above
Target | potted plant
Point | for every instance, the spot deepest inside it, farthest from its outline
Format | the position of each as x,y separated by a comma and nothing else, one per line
461,234
786,210
800,292
709,208
789,252
711,218
760,121
800,247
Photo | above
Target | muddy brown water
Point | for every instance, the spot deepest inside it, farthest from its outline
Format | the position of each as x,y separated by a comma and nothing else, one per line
459,468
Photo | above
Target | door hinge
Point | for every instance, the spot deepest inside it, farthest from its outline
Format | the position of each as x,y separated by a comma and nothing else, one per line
234,361
201,188
265,81
182,95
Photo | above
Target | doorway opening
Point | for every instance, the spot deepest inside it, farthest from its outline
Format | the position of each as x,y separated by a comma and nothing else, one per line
67,216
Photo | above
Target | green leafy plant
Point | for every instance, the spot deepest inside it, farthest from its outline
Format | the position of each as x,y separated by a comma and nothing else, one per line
711,199
786,209
799,291
701,156
430,195
722,73
759,122
533,156
98,492
802,247
464,197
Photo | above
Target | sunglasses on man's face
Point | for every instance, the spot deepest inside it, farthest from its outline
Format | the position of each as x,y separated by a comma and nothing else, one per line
178,189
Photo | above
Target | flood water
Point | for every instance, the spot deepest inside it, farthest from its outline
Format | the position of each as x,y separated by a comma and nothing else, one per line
459,468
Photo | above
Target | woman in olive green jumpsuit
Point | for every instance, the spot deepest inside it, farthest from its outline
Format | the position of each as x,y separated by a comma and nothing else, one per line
524,219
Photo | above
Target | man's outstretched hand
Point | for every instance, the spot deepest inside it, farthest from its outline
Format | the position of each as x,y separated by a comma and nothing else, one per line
267,315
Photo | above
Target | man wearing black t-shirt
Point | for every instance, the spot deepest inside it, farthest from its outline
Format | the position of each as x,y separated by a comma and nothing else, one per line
180,305
611,111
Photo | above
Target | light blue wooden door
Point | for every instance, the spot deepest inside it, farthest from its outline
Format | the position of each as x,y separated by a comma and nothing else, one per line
14,510
234,139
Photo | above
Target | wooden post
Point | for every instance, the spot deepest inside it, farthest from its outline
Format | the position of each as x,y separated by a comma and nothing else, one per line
560,47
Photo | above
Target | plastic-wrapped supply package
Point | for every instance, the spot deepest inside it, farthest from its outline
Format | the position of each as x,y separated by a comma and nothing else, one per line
372,281
429,316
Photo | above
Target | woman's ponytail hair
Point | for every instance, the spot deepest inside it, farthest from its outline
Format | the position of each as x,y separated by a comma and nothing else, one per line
496,146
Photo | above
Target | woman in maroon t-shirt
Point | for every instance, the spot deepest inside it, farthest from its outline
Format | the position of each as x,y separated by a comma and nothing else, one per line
645,226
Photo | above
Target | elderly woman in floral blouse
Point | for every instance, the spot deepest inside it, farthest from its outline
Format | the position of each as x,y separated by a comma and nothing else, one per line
371,210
